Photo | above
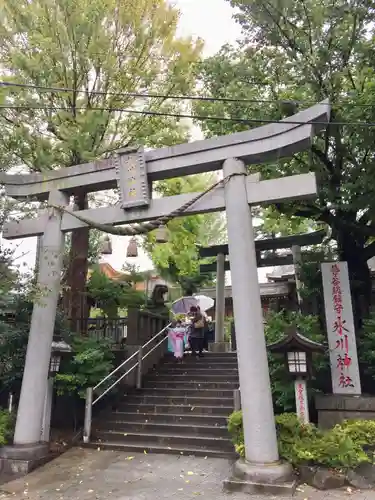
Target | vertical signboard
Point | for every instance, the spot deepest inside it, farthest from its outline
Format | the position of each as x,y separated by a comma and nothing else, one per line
302,405
340,329
132,182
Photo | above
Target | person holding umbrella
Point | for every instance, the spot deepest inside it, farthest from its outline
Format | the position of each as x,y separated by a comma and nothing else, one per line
196,331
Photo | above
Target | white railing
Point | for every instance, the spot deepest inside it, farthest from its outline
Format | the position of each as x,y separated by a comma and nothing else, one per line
139,354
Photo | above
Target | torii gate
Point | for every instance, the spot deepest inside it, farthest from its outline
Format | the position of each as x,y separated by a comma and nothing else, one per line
133,173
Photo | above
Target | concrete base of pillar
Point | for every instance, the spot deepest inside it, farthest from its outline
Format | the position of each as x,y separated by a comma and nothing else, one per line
274,479
219,347
19,460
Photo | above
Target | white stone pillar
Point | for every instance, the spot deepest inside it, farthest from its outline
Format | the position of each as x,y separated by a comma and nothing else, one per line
256,400
47,412
297,261
38,355
220,298
302,404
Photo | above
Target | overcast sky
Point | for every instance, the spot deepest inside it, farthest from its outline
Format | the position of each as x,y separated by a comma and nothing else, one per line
210,20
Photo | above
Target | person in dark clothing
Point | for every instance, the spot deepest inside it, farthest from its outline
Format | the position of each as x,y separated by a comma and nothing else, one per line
197,331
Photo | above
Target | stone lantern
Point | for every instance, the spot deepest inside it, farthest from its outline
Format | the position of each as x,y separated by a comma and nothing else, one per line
59,347
298,351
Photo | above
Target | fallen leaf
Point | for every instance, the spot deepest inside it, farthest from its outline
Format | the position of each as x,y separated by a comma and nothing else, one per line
187,481
190,473
129,458
145,452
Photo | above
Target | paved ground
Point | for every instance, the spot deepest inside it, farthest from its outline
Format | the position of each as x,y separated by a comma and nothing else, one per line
82,474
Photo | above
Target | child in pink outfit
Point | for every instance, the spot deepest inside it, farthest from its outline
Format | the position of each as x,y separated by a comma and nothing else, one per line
176,335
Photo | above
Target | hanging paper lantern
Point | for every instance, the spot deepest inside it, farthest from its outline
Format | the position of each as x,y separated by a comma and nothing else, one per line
132,250
161,234
106,246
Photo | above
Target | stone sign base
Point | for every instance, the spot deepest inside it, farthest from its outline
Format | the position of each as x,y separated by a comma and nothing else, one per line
334,408
19,460
275,479
219,347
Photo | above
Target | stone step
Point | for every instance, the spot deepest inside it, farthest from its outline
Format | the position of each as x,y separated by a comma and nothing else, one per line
191,384
182,369
175,440
130,448
162,428
177,400
203,362
186,418
160,407
192,376
169,392
209,354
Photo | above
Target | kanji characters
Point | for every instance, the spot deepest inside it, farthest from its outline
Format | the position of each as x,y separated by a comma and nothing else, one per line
345,381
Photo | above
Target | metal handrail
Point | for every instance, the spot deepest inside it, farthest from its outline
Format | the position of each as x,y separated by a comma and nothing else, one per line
115,371
153,349
130,358
89,392
114,384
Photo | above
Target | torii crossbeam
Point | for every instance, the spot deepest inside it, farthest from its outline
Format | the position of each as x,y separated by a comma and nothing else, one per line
133,172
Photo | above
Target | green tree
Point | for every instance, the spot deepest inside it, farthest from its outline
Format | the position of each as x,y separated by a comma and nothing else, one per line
307,51
178,260
102,50
110,295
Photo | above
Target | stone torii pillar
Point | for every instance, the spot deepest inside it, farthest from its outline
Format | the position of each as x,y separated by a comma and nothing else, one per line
219,344
262,457
38,355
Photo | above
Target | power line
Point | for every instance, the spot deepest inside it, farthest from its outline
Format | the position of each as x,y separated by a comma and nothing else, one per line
172,96
150,96
182,115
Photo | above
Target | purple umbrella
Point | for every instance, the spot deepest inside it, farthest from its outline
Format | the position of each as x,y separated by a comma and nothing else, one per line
183,305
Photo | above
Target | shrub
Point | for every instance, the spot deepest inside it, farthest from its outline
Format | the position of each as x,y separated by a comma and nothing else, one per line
304,444
235,428
91,362
360,431
6,427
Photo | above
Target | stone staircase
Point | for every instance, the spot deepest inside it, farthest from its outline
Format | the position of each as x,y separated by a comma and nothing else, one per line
181,409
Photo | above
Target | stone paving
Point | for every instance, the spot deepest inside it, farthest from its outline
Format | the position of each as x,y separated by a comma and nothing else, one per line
82,474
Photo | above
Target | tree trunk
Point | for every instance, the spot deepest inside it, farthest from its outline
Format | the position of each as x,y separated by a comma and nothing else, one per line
352,252
75,303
